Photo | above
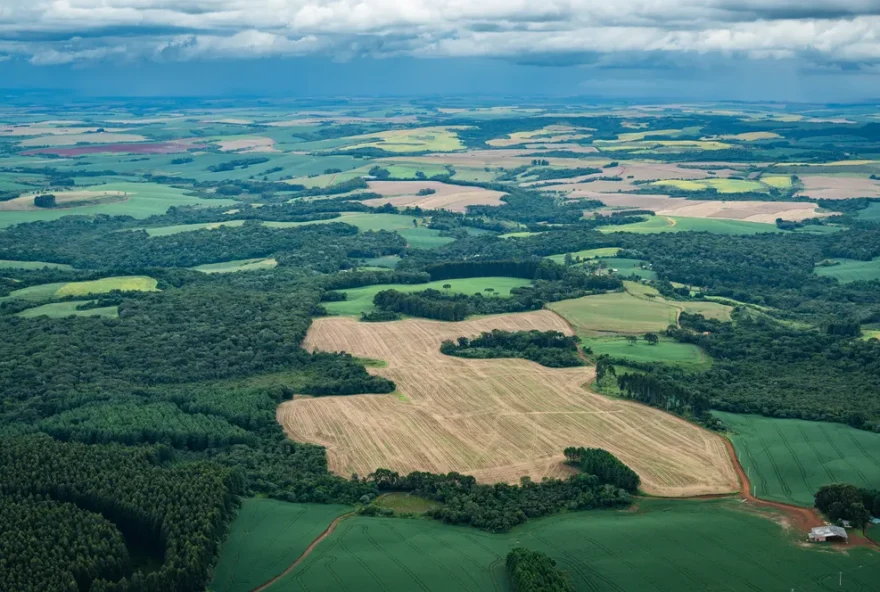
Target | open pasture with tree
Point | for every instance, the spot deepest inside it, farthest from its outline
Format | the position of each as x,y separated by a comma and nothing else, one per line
666,351
265,538
360,300
102,286
788,460
495,419
850,270
689,546
69,309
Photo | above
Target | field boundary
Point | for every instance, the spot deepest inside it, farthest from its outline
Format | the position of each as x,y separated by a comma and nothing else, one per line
327,532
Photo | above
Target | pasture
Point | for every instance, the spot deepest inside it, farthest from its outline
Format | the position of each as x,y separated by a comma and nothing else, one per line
627,267
668,352
178,228
131,283
361,299
850,270
495,419
871,213
719,185
140,200
9,264
405,503
587,254
58,310
685,546
237,265
265,538
789,459
654,224
419,139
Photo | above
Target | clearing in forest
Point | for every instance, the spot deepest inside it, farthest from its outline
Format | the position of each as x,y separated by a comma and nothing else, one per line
497,419
685,546
788,460
419,139
129,283
455,198
850,270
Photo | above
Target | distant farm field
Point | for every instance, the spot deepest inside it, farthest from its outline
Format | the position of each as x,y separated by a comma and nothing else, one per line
789,459
419,139
178,228
495,419
656,224
265,538
587,254
662,546
9,264
361,299
238,265
138,283
669,352
68,309
851,270
719,185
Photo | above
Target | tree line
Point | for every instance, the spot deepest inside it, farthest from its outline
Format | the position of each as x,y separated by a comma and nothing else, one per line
548,348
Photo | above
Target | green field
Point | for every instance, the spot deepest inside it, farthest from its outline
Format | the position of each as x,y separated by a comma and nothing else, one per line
387,262
628,267
720,185
68,309
361,299
417,237
238,265
851,270
587,254
9,264
615,312
789,459
265,538
139,283
178,228
871,213
405,503
664,546
670,352
656,224
144,200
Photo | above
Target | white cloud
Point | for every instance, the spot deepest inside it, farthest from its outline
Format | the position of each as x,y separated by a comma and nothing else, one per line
58,31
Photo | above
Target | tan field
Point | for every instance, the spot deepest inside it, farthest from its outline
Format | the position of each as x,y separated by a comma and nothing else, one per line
447,197
506,157
62,198
827,187
82,138
497,420
254,144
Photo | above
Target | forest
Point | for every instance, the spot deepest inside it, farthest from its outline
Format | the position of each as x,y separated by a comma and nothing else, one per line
533,571
548,348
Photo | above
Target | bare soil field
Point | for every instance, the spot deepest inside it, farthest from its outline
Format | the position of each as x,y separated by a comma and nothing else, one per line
827,187
497,420
447,197
255,144
25,203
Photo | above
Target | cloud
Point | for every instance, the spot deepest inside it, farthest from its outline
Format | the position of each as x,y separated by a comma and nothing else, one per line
547,32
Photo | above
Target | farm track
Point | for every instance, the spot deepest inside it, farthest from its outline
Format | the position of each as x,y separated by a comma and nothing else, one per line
327,532
801,518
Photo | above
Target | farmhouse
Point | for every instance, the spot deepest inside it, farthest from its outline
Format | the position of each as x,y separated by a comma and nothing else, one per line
821,534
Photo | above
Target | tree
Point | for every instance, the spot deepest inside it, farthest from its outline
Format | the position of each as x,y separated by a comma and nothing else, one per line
631,339
651,338
447,287
47,200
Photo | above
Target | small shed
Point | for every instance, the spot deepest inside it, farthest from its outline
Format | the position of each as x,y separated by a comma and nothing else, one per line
821,534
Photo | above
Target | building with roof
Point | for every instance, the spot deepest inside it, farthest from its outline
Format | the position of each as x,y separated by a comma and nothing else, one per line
821,534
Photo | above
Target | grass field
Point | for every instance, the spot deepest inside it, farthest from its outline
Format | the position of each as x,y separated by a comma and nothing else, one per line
388,261
178,228
143,200
664,546
656,224
419,139
361,299
404,503
851,270
9,264
720,185
789,459
495,419
265,538
587,254
68,309
627,267
137,283
670,352
871,213
238,265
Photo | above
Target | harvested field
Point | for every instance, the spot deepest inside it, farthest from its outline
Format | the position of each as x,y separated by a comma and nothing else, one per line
751,211
551,134
446,197
438,139
82,138
253,144
508,158
827,187
497,420
64,199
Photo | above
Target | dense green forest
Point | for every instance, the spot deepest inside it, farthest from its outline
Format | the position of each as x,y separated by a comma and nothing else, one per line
533,571
548,348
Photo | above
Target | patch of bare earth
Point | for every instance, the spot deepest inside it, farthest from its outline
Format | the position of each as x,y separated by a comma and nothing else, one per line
454,198
825,187
63,199
498,420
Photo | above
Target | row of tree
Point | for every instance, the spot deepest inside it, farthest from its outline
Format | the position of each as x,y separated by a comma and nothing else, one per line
548,348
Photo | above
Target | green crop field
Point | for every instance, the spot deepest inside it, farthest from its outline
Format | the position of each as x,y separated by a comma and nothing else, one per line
388,261
871,213
851,270
417,237
789,459
617,312
656,224
238,265
265,538
138,283
679,546
404,503
9,264
143,200
587,254
361,299
68,309
627,267
670,352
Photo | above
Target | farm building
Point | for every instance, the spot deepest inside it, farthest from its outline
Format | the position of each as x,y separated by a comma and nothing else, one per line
821,534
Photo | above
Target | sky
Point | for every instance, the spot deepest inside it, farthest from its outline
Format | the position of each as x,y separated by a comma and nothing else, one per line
785,50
